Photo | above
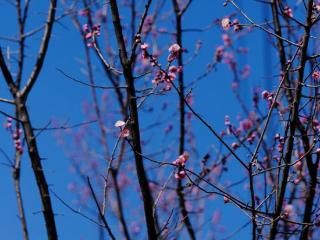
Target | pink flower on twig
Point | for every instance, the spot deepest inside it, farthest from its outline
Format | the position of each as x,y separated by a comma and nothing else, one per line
226,23
174,51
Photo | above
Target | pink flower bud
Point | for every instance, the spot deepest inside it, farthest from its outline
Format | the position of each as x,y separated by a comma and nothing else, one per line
235,145
265,94
180,175
85,28
226,199
88,35
219,53
316,75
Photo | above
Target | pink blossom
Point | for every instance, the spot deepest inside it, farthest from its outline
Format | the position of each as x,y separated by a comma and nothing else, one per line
288,12
316,75
180,175
171,57
171,77
174,51
154,61
303,119
227,121
230,60
85,28
144,46
149,20
226,40
251,138
226,199
145,57
173,69
9,123
17,141
298,166
236,26
237,132
245,72
182,159
246,124
219,53
280,147
119,123
159,77
167,87
189,99
235,145
138,38
288,210
265,94
96,29
297,180
125,133
225,23
174,48
88,35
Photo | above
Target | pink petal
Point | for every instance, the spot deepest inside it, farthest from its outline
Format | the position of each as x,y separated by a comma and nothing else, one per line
119,123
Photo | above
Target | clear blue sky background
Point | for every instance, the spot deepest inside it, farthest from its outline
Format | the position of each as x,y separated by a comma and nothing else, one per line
55,97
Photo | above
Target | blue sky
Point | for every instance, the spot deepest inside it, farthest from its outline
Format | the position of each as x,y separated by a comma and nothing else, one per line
55,97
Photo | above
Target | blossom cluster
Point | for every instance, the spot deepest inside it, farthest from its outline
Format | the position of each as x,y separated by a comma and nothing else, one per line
180,162
174,51
16,135
269,97
90,34
226,24
245,127
165,76
124,130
